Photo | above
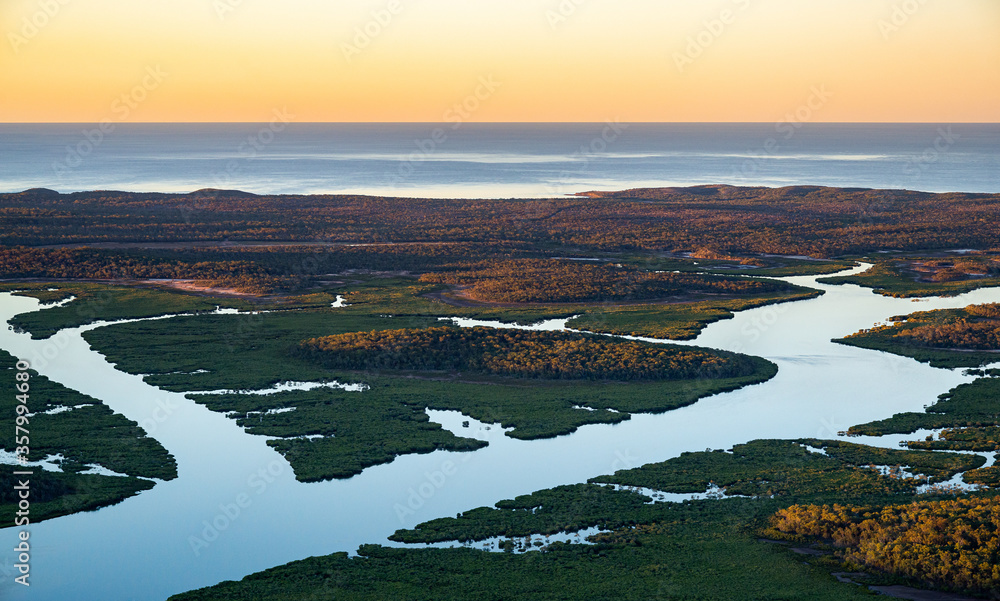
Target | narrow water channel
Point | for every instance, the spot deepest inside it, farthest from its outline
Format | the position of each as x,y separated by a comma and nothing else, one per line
142,549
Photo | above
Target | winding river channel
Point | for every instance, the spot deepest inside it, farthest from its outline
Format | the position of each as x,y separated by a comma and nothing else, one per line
144,549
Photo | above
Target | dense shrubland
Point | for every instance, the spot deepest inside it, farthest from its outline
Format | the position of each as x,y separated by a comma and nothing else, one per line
518,353
952,544
541,281
955,270
89,264
977,327
953,337
908,277
319,235
251,269
713,219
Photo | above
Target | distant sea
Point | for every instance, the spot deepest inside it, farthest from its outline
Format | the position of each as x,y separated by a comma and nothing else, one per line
494,160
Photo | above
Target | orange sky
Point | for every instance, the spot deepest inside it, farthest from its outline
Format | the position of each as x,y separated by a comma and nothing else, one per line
550,60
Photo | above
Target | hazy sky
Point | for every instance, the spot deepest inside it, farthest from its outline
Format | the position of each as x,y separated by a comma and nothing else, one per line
500,60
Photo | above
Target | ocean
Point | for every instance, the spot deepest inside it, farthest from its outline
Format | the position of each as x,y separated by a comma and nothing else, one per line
493,160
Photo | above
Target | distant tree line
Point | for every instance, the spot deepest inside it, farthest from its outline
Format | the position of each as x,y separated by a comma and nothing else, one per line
710,221
251,269
26,263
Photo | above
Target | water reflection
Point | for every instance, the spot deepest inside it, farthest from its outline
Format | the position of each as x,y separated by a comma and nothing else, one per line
148,547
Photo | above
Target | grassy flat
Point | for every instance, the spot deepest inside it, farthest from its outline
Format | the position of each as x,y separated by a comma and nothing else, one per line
347,430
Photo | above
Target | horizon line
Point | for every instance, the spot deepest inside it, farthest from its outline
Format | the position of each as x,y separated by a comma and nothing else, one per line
451,124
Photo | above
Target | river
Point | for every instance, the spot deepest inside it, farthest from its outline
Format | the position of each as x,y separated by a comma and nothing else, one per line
192,532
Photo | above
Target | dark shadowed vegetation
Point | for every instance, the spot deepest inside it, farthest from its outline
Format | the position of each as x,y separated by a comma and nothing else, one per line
75,431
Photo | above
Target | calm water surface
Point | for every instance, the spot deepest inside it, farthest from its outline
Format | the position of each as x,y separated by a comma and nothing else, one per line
495,160
141,549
